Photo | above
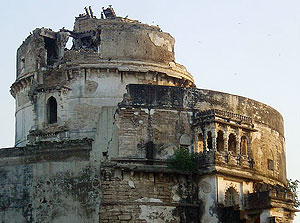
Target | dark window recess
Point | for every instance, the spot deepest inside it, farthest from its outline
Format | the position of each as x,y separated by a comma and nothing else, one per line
149,150
52,110
52,50
270,164
220,141
86,41
89,42
209,141
232,143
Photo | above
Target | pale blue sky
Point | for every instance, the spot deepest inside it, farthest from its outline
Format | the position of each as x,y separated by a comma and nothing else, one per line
244,47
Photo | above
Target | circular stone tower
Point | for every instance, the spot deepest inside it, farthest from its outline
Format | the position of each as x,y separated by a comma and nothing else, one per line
97,124
60,92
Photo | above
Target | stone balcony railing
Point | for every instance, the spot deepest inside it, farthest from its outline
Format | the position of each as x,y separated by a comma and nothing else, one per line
225,115
204,160
231,159
266,199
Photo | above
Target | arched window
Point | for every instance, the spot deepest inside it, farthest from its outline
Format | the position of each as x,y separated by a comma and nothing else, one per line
231,197
220,141
209,141
232,143
185,141
52,110
200,143
243,145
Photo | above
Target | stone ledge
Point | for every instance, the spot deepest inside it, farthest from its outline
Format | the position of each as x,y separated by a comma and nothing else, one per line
110,203
46,151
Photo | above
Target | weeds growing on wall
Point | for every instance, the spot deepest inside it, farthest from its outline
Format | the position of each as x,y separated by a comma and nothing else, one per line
293,187
183,160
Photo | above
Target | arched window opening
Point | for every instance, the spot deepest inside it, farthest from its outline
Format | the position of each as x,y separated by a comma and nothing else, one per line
243,146
52,110
270,164
22,64
209,141
232,143
200,144
185,141
220,141
231,197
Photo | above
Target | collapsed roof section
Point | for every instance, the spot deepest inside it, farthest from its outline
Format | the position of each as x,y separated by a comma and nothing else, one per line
42,48
109,39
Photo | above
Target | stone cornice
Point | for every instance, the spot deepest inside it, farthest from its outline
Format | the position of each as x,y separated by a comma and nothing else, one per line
21,83
172,69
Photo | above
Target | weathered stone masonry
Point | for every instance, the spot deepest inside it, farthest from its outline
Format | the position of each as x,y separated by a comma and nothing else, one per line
142,196
96,125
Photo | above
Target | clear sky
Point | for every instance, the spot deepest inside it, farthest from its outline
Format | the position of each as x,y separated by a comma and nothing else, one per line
245,47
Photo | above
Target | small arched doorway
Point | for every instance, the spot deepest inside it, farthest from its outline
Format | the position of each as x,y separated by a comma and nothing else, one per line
243,146
232,143
231,197
220,141
209,141
200,143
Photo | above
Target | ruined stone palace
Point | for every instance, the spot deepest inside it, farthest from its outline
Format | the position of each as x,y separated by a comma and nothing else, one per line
97,125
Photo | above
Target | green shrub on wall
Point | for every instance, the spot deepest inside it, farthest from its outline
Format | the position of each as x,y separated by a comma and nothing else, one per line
293,187
183,160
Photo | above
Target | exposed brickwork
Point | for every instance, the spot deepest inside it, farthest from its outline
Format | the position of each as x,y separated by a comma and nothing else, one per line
163,127
147,197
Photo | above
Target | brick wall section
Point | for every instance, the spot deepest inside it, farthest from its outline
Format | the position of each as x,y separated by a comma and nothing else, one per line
132,132
144,197
163,127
